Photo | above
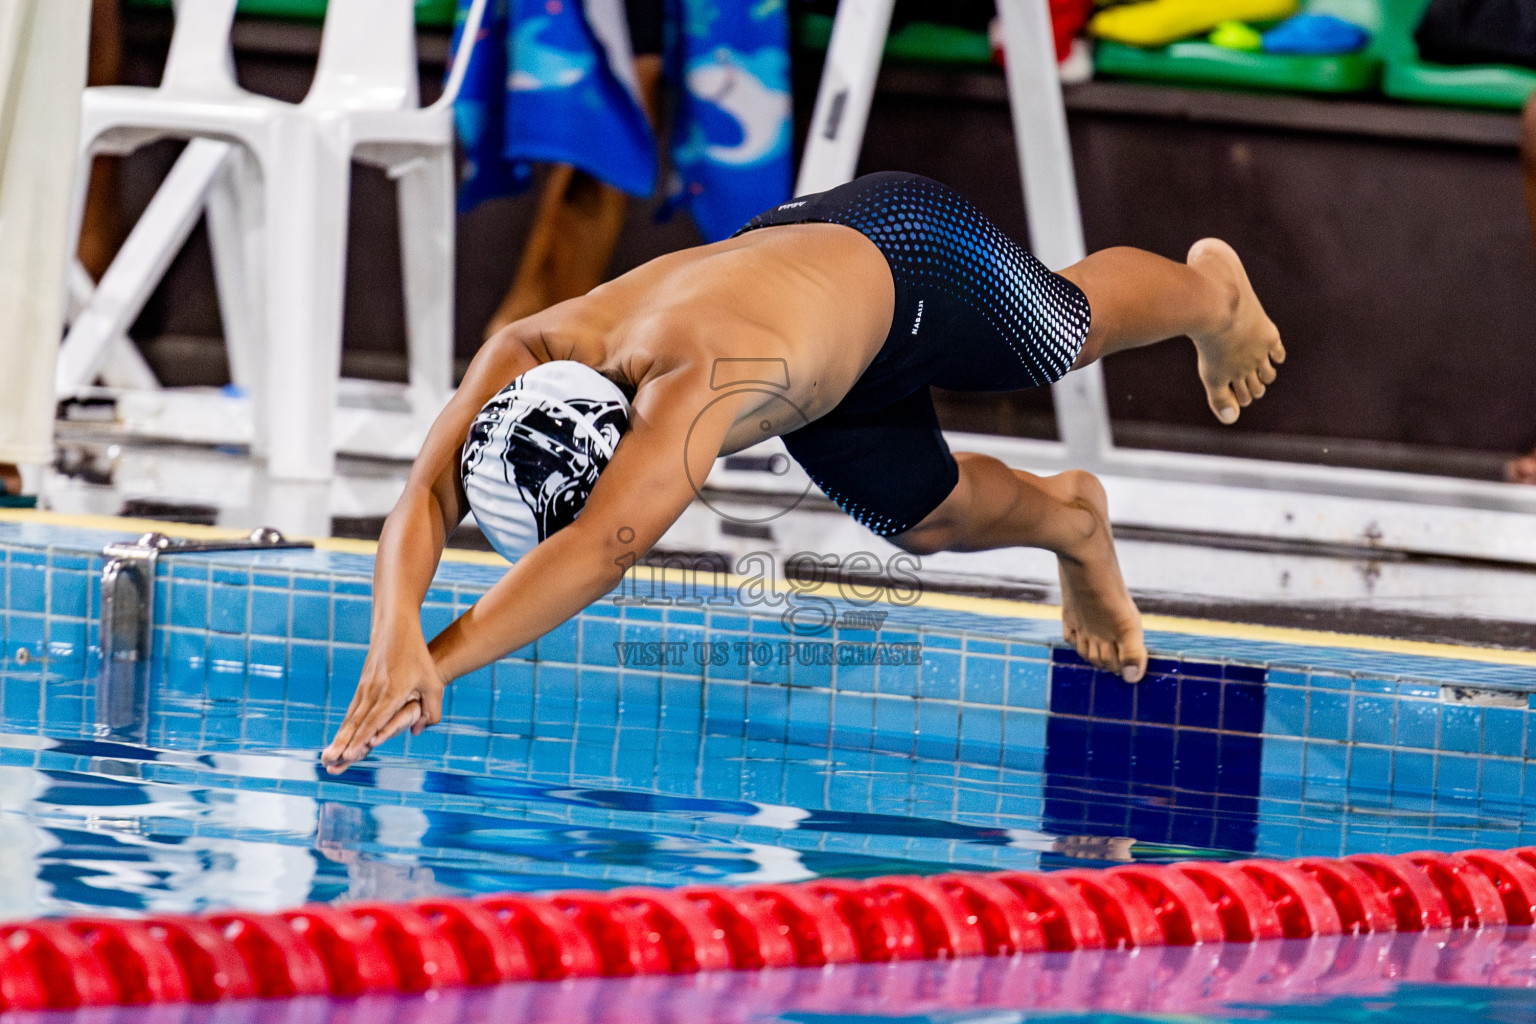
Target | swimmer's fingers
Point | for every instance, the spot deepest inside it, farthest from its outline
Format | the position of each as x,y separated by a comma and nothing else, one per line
408,717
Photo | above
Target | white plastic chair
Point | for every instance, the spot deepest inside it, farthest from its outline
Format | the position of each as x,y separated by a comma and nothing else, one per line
275,178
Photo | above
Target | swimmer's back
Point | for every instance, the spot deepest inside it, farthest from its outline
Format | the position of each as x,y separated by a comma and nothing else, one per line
817,296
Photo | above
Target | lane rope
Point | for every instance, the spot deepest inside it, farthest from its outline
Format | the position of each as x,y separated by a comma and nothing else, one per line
358,948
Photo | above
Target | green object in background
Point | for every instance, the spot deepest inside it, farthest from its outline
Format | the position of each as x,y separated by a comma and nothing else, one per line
918,41
1204,63
1234,35
1499,86
429,13
1201,63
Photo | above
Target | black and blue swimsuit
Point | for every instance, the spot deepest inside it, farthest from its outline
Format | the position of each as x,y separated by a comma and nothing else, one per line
975,311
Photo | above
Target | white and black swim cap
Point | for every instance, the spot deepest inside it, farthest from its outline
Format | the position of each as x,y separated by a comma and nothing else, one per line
535,450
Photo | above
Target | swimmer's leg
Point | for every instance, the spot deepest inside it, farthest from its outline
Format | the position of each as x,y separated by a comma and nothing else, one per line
1139,298
993,506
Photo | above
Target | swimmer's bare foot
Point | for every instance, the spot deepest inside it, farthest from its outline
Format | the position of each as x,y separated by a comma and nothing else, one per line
1098,616
1236,360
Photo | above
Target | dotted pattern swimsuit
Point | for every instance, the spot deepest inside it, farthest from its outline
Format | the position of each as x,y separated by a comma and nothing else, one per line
975,311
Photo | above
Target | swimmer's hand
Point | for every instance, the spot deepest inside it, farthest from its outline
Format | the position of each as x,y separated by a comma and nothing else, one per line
401,688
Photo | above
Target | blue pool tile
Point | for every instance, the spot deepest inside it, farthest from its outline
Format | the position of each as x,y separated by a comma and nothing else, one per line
853,716
1024,731
1113,697
863,679
940,676
1501,780
1413,779
811,669
1327,769
1374,719
67,594
229,608
22,703
435,618
1242,707
1199,703
470,697
725,704
561,644
1328,681
895,723
512,703
1110,751
351,620
1366,684
267,670
767,704
639,690
1066,656
28,588
346,670
981,734
1245,673
189,605
599,638
1328,715
682,699
892,680
1071,689
308,672
1461,728
1285,677
269,612
986,679
66,645
1504,732
1282,758
1370,771
598,688
226,665
1029,684
941,642
1455,774
311,617
306,581
938,729
1416,723
1157,698
810,715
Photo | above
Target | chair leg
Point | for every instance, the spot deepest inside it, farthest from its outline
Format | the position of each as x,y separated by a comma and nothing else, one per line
426,197
140,264
236,234
307,184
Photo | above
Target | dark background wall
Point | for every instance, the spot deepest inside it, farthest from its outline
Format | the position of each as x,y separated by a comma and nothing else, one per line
1390,244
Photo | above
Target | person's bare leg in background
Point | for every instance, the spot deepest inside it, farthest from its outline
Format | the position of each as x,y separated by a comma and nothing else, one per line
576,229
1523,469
101,228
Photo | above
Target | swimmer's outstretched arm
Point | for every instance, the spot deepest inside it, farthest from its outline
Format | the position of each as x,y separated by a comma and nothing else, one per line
417,529
641,493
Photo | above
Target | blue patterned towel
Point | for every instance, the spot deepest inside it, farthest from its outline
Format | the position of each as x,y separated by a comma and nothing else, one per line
553,81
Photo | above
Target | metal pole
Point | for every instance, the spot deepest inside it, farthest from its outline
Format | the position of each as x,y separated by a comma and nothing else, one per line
1050,200
843,100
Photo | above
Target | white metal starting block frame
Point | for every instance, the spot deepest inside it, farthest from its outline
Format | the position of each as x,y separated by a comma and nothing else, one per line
1177,491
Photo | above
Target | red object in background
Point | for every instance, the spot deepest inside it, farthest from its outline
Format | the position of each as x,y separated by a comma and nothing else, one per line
1068,19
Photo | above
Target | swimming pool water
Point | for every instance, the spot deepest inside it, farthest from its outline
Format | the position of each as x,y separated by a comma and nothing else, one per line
586,798
564,767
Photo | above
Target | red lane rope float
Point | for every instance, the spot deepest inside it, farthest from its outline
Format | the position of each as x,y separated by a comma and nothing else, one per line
446,943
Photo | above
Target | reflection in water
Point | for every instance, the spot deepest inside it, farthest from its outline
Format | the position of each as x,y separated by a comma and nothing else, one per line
1426,978
587,797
